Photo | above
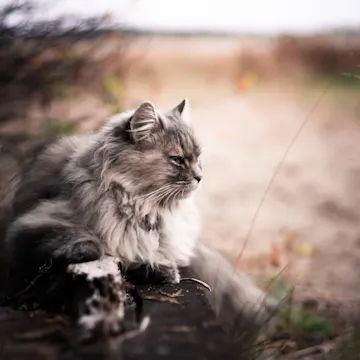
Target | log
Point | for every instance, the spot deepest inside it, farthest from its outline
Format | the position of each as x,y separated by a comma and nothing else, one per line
111,318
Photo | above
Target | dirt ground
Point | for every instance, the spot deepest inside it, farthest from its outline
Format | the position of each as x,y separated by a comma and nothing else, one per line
308,221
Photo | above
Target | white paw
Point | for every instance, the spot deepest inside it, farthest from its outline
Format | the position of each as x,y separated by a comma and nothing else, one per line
175,277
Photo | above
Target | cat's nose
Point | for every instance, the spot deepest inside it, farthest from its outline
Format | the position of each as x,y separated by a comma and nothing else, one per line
198,177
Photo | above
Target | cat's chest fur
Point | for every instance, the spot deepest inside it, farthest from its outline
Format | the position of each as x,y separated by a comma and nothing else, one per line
156,236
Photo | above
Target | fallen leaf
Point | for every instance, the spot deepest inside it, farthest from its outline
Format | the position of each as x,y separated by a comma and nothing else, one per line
275,258
246,82
305,249
290,238
173,295
40,333
181,328
161,299
278,287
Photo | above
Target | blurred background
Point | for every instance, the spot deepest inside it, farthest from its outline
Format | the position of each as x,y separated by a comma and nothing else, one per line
255,73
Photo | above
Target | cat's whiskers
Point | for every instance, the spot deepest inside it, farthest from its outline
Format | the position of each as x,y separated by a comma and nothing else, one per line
167,192
152,193
172,195
162,193
166,198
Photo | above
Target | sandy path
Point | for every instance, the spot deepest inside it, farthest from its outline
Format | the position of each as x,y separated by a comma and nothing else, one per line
315,193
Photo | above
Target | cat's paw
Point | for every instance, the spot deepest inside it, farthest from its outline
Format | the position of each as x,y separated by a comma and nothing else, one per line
170,274
145,274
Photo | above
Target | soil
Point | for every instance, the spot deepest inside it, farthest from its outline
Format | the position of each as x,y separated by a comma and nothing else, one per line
309,218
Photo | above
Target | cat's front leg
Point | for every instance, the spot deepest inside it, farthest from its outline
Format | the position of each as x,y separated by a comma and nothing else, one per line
170,274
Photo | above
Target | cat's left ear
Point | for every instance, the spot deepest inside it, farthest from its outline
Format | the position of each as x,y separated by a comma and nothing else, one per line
184,110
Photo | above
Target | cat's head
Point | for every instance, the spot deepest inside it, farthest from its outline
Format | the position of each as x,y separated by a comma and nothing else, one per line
153,154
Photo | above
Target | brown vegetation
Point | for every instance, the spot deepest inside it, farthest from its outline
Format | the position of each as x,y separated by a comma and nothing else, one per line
309,56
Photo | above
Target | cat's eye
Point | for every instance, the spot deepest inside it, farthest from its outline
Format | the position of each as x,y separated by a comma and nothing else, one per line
178,160
199,163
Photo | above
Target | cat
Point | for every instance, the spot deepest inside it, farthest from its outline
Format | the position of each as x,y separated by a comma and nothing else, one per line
126,190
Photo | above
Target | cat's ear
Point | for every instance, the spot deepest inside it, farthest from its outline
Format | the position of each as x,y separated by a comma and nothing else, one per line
143,121
183,109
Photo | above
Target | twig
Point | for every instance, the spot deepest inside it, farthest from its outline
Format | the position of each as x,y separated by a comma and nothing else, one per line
350,75
173,295
42,270
132,333
161,299
204,284
113,343
270,183
39,334
317,349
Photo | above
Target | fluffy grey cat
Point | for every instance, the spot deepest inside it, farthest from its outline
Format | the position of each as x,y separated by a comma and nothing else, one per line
126,191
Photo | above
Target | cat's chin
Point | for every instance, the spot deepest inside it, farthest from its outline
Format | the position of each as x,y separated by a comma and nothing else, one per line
186,194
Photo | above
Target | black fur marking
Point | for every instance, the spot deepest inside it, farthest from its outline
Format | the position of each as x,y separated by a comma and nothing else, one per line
36,246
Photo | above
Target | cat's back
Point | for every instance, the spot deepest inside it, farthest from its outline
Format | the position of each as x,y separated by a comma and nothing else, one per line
42,179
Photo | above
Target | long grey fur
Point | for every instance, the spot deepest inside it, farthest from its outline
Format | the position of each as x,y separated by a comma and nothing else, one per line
125,191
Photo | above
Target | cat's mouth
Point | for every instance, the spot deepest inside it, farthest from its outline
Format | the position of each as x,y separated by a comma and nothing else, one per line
187,191
185,194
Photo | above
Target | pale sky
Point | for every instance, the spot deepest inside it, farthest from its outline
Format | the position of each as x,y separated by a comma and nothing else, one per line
265,16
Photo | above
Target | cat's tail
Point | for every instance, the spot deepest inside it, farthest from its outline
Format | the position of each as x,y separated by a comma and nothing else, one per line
47,237
238,302
15,155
